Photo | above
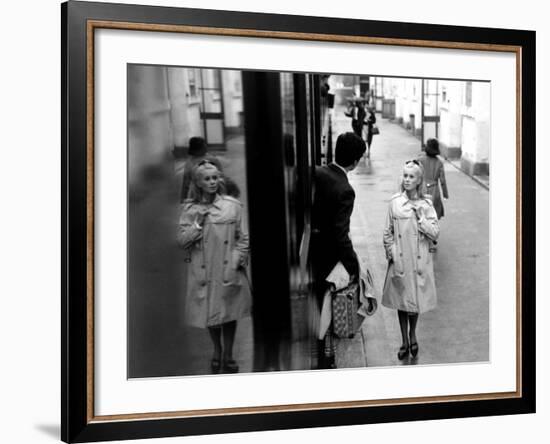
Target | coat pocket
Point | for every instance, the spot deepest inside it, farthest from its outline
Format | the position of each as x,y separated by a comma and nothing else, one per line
231,275
196,263
397,262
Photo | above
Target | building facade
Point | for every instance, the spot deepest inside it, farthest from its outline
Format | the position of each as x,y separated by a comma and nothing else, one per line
457,113
169,105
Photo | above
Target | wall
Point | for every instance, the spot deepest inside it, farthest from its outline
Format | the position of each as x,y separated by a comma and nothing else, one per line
30,258
233,99
150,136
476,131
185,109
451,120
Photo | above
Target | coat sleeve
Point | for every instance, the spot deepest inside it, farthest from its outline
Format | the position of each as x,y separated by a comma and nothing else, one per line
188,232
443,181
241,239
428,223
388,233
345,251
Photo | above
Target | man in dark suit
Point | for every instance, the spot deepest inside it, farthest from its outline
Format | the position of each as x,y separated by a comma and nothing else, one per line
332,208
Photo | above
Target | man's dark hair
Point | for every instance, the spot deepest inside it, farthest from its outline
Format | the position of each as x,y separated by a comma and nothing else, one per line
197,146
349,148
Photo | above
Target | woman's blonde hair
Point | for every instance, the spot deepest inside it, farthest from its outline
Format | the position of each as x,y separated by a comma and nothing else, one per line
196,193
420,171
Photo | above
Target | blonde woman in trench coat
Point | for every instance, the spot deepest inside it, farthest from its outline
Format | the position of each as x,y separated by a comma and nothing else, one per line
218,292
410,285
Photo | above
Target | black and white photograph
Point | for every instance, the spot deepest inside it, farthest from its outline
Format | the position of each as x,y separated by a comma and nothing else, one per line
282,221
266,222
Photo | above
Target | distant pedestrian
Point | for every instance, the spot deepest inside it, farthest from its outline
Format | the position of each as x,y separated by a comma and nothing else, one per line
411,224
357,112
197,152
218,292
370,127
332,207
434,175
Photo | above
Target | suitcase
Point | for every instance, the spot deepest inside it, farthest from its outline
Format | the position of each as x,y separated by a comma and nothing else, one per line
345,319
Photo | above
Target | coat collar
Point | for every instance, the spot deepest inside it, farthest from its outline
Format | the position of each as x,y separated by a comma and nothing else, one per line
406,199
335,167
217,202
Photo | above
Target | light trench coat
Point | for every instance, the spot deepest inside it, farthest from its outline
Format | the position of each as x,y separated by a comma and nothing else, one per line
218,290
410,283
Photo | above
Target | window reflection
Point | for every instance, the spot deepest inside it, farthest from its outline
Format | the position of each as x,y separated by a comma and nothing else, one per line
168,107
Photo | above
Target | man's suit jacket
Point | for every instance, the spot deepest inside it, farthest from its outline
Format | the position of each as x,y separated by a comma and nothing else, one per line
332,208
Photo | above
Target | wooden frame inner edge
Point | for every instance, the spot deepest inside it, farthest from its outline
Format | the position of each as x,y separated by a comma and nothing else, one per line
298,36
93,24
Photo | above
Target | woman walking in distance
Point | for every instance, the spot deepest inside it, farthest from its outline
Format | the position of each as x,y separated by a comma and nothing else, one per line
411,225
218,292
434,174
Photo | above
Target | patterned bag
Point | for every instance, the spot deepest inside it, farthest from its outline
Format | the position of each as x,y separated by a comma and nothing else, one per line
345,319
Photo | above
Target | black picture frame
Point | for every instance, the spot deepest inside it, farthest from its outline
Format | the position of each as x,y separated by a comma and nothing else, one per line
78,423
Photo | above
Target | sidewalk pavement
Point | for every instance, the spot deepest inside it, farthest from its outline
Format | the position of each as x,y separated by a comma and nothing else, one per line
483,180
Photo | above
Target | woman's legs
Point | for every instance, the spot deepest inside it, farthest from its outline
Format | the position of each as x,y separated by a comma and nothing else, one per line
229,329
413,320
229,364
216,334
403,325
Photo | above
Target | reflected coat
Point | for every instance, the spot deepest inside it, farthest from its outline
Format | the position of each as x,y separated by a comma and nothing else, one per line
410,283
218,290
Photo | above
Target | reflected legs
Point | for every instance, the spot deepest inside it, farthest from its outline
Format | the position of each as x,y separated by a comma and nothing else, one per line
215,335
228,364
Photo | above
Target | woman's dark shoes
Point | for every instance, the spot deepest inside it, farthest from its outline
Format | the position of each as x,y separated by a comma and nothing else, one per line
230,366
403,352
215,366
327,362
414,349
